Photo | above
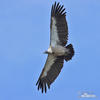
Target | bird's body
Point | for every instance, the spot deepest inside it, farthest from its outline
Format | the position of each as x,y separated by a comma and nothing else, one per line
57,51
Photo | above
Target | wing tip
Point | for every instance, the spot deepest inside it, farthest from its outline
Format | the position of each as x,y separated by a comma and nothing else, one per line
42,84
58,10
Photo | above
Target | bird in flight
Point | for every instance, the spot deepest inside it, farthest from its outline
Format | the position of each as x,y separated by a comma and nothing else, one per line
57,51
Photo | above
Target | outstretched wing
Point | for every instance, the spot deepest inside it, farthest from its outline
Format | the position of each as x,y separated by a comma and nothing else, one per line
50,72
58,26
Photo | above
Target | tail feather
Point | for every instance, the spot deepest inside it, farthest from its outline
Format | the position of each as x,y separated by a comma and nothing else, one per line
69,54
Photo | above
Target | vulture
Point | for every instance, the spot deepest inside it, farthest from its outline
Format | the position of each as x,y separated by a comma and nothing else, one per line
57,51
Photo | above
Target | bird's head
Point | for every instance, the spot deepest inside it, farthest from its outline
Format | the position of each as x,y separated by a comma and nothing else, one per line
49,51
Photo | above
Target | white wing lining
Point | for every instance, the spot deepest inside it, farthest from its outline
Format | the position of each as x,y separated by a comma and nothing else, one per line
48,65
54,34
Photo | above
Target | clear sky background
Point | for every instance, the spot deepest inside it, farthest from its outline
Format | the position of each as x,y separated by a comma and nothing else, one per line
24,36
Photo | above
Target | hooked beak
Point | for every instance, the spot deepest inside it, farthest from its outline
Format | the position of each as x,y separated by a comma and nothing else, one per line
46,52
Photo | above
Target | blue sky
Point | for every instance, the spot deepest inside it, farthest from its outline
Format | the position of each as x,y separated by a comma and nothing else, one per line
24,36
